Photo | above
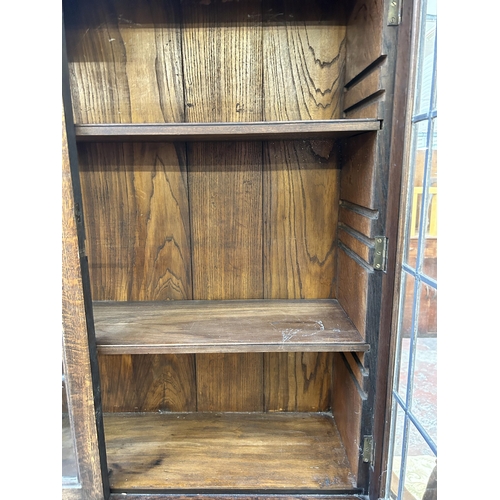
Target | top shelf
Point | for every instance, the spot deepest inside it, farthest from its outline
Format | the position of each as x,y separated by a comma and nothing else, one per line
235,131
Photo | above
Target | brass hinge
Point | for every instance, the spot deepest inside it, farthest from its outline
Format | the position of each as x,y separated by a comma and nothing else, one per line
394,16
368,449
380,254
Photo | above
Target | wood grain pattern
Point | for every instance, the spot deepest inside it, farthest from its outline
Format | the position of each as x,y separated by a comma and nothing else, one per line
347,410
222,59
238,451
304,59
357,188
357,176
295,129
229,382
362,246
75,341
298,382
352,290
364,35
357,368
214,63
301,210
225,185
362,90
370,108
125,61
137,219
138,243
224,326
361,220
148,383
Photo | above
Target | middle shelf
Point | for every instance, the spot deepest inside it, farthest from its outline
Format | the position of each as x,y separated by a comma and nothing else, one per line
204,326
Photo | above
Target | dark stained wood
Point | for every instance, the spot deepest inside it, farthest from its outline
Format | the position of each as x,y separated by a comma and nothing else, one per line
229,450
304,59
222,56
367,87
138,242
366,56
357,242
364,35
400,137
358,218
352,291
124,61
307,129
304,53
298,381
75,340
347,410
148,383
261,219
224,326
369,108
137,220
357,174
222,61
304,65
229,382
357,369
300,210
225,186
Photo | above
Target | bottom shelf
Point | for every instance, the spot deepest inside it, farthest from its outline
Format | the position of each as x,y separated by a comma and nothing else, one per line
226,451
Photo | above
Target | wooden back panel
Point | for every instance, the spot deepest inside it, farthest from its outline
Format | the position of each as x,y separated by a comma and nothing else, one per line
214,221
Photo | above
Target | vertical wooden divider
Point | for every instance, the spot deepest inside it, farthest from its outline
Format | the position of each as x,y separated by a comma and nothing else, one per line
222,51
304,54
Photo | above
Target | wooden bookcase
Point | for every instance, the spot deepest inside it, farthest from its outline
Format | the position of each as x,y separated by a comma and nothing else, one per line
234,164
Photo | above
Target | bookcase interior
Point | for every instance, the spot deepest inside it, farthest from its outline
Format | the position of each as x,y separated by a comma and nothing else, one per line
273,219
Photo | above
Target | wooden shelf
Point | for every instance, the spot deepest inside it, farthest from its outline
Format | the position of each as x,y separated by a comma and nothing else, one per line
224,326
308,129
231,451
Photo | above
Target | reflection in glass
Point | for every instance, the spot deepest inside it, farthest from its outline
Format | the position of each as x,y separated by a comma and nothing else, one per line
419,466
414,428
430,252
424,399
426,62
69,465
415,191
398,451
403,356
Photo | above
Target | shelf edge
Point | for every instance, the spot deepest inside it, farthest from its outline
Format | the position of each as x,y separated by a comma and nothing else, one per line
225,131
